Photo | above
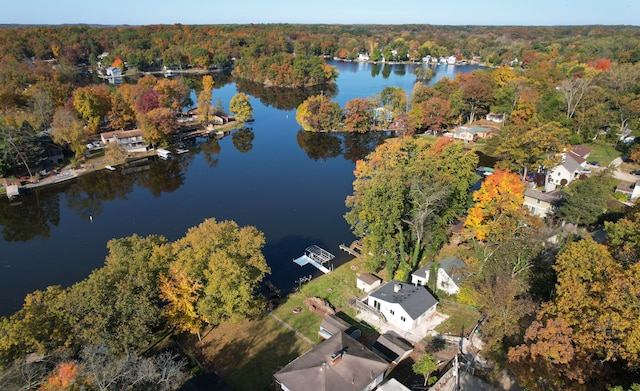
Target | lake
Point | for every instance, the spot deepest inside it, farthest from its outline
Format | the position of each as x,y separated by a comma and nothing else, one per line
288,183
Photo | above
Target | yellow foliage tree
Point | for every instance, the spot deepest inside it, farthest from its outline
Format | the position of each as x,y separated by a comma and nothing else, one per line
498,211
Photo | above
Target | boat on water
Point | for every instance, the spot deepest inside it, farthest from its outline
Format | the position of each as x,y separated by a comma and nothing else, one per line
180,151
163,153
110,168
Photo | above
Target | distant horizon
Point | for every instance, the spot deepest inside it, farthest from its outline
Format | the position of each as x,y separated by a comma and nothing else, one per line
489,13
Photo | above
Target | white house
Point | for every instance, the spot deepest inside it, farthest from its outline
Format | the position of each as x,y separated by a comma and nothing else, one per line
448,277
131,140
450,274
572,166
113,72
367,282
403,305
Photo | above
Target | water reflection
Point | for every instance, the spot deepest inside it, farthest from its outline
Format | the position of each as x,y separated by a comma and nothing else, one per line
89,192
166,175
243,139
284,98
29,218
357,146
319,146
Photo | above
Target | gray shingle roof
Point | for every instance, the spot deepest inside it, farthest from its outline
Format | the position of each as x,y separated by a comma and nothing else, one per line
415,300
355,370
422,271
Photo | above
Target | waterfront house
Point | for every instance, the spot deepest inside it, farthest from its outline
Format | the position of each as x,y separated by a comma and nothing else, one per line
543,204
130,140
403,305
113,72
332,325
53,155
495,117
339,363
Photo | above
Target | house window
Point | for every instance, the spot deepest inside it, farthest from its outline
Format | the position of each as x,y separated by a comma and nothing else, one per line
538,202
391,311
402,318
376,305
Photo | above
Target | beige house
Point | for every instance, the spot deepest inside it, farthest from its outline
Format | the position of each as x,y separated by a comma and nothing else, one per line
131,140
543,204
367,282
469,133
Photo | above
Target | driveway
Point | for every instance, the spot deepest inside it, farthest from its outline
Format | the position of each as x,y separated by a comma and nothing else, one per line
621,175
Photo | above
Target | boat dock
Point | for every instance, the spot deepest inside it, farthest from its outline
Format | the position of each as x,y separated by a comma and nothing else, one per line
355,249
316,257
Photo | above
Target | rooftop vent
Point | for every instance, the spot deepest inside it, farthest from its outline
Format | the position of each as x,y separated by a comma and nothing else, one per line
396,288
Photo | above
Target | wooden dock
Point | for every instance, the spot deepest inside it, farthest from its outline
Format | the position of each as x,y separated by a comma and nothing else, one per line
354,249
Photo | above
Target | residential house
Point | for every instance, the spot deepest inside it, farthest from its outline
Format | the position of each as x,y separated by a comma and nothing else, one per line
421,276
53,154
630,190
573,165
339,363
495,117
403,305
450,274
392,348
363,57
332,325
367,282
113,72
469,133
543,204
131,140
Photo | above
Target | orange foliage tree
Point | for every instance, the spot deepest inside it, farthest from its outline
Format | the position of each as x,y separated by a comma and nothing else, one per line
498,211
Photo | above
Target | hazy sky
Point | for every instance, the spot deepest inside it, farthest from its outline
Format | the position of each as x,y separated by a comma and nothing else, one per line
450,12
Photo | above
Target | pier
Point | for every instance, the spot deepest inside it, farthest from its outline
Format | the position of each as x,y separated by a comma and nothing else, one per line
354,249
316,257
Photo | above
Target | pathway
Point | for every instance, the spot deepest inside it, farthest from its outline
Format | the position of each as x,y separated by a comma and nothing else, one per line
302,337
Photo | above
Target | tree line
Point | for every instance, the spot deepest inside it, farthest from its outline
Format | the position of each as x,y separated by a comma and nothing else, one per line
147,286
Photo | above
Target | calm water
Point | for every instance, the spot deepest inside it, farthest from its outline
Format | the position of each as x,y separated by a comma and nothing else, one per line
289,184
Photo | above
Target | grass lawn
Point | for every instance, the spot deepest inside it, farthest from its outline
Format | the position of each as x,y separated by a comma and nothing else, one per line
603,152
247,355
461,318
336,287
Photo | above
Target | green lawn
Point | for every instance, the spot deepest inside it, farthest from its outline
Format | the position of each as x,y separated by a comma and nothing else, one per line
461,318
603,152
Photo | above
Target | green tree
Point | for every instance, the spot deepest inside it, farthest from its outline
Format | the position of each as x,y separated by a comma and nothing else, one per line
68,130
241,107
118,305
586,200
425,366
319,114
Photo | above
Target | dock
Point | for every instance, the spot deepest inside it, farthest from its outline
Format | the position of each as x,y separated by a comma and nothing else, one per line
316,257
355,249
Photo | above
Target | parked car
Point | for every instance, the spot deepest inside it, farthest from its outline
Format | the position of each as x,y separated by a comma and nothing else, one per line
635,172
594,163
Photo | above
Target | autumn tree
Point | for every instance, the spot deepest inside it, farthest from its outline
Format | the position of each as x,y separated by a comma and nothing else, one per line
122,113
228,263
93,104
68,130
358,116
624,237
157,125
498,211
241,107
171,93
434,114
477,93
205,108
318,113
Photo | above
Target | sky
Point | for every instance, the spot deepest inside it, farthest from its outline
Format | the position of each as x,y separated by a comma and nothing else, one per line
441,12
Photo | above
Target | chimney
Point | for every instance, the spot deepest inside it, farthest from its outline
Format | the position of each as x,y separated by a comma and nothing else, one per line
337,356
396,288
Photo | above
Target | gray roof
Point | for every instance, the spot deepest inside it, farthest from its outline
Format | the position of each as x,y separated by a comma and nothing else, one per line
415,300
391,347
355,370
571,163
333,324
551,197
368,278
453,266
422,271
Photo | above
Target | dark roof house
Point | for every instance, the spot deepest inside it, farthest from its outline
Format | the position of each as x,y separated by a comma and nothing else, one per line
339,363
